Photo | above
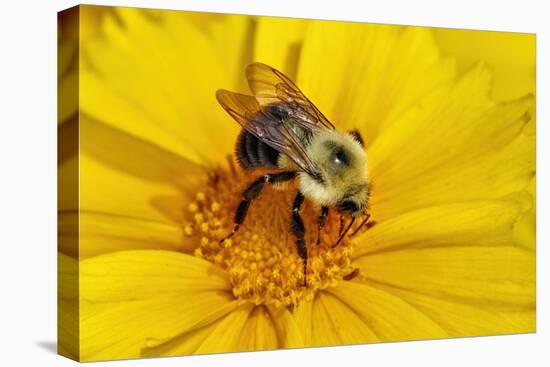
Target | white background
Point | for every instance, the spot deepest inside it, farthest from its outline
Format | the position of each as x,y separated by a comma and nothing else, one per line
28,183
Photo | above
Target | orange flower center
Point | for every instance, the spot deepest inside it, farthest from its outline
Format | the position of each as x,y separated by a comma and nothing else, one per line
261,258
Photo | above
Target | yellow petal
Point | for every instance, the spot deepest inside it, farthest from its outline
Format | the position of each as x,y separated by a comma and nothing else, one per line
487,223
67,268
183,344
68,234
75,27
123,175
303,317
67,33
230,36
490,177
91,17
459,111
120,174
89,234
455,145
68,339
264,329
288,330
510,55
232,42
226,336
460,319
136,157
278,42
67,184
67,64
157,80
525,230
388,316
136,299
67,140
259,333
248,328
333,322
67,95
362,75
525,226
499,276
147,273
107,190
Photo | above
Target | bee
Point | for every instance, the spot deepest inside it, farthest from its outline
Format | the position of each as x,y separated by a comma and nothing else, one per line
283,130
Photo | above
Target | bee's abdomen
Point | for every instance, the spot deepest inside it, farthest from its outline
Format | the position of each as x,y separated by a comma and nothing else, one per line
252,153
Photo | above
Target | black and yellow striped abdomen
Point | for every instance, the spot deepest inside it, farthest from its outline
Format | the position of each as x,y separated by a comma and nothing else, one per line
252,153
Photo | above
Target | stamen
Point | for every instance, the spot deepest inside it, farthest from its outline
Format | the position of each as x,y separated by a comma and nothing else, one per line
351,275
261,258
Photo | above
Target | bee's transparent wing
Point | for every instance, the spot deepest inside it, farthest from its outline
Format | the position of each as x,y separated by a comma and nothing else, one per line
248,112
270,86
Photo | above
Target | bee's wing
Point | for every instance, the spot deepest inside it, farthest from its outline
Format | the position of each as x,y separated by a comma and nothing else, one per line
270,86
246,110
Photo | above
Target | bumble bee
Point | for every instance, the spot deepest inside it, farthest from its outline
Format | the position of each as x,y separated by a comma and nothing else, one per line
283,130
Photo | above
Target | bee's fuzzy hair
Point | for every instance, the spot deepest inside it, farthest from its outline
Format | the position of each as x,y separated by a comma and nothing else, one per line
348,182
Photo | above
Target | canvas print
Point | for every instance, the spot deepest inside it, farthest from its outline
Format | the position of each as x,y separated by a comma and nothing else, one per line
234,183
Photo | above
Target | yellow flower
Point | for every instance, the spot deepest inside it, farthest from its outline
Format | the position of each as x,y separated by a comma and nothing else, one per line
451,170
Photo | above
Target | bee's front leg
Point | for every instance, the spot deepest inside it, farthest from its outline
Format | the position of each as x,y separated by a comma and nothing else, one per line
321,221
299,231
252,192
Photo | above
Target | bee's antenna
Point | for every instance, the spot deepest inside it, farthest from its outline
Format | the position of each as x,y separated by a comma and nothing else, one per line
345,232
360,225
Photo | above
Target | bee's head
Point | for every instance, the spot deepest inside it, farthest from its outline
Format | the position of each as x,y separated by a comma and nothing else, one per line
342,163
354,200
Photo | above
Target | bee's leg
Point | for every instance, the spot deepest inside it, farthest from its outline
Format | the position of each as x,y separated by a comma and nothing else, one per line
345,232
341,224
252,192
299,231
364,223
321,220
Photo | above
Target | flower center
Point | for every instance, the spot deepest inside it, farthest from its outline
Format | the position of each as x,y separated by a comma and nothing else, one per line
261,258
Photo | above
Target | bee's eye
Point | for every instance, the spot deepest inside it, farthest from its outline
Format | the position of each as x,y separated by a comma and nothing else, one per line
340,158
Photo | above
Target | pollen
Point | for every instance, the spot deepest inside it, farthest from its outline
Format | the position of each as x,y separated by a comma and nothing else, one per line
262,258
